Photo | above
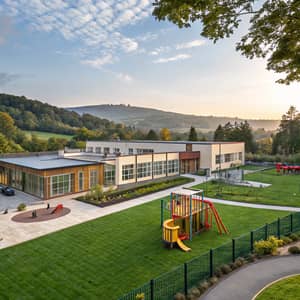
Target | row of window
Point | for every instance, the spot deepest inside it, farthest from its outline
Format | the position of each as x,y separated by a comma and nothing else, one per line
145,169
229,157
106,150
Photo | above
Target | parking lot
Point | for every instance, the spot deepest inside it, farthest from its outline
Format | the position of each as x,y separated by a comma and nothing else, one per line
10,202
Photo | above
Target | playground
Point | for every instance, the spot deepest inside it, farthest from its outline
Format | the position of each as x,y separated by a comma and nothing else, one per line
111,243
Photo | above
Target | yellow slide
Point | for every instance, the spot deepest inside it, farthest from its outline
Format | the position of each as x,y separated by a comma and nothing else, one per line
182,246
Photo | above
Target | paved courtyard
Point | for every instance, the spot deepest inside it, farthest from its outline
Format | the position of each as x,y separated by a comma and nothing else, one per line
10,202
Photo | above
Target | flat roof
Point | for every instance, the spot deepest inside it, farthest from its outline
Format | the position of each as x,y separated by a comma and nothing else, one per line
45,162
168,142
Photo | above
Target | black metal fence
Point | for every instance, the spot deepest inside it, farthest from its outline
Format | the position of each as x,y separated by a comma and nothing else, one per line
182,278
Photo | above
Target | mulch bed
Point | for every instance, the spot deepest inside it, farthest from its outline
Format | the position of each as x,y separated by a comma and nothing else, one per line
43,214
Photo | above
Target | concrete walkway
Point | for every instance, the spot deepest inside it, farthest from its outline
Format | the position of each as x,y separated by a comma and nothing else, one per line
245,283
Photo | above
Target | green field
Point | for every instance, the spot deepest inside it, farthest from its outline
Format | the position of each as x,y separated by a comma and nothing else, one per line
285,289
252,167
46,135
285,189
107,257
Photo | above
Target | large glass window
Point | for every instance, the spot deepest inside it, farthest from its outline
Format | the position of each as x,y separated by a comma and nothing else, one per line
80,181
93,178
144,169
34,185
173,166
127,172
109,174
62,184
159,167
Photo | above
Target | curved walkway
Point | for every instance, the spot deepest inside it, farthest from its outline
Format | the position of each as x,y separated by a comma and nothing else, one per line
245,283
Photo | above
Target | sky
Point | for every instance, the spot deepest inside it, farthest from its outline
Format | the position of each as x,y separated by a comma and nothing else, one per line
87,52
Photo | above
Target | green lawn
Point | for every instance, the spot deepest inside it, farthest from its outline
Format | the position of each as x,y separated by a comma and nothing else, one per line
285,189
46,135
285,289
252,167
107,257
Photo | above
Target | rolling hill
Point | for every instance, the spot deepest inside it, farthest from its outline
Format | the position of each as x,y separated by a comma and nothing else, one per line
145,118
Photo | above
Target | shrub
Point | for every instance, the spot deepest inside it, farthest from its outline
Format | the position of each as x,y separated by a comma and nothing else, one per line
267,247
179,296
195,292
140,296
252,257
218,272
240,261
203,286
294,250
286,240
213,280
21,207
225,269
294,237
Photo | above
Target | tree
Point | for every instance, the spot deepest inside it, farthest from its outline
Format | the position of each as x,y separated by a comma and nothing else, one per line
165,134
4,144
193,134
219,134
7,126
287,140
274,27
152,135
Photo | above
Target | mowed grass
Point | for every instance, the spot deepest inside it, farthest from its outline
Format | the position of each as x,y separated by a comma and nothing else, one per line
47,135
285,289
107,257
284,189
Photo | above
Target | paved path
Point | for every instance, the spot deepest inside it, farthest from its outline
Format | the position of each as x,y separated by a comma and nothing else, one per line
13,233
245,283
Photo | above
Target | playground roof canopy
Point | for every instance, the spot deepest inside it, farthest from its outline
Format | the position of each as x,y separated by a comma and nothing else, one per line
186,192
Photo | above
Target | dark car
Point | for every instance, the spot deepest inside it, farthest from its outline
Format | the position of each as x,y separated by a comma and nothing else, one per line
7,191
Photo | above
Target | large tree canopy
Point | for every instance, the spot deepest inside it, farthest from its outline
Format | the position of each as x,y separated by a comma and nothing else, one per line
273,33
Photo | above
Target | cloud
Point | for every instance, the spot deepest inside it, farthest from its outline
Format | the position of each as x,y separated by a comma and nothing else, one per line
124,77
98,62
6,78
172,58
160,50
5,28
192,44
95,24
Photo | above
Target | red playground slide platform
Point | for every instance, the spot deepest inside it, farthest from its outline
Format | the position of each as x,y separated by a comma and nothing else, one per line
57,209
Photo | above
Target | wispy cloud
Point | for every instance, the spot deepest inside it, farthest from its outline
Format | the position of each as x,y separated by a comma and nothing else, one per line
98,62
96,24
192,44
6,78
5,28
160,50
172,58
124,77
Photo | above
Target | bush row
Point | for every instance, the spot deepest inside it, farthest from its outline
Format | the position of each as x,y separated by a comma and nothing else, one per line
291,159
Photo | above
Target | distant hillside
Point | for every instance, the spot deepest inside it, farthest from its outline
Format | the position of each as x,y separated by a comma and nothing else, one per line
35,115
146,118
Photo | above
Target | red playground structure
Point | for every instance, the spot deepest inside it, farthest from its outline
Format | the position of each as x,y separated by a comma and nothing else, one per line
57,209
285,168
190,214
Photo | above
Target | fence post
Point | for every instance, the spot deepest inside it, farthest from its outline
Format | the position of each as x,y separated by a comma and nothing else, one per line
251,241
151,289
278,228
211,262
233,250
185,279
292,223
266,231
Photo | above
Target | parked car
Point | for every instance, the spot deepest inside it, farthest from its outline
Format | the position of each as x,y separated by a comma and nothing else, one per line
7,191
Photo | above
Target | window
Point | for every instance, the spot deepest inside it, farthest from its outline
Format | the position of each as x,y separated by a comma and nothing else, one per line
130,151
159,167
173,166
80,181
127,172
98,150
62,184
116,150
34,185
227,157
144,169
143,151
106,150
109,174
93,178
218,160
240,156
89,149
